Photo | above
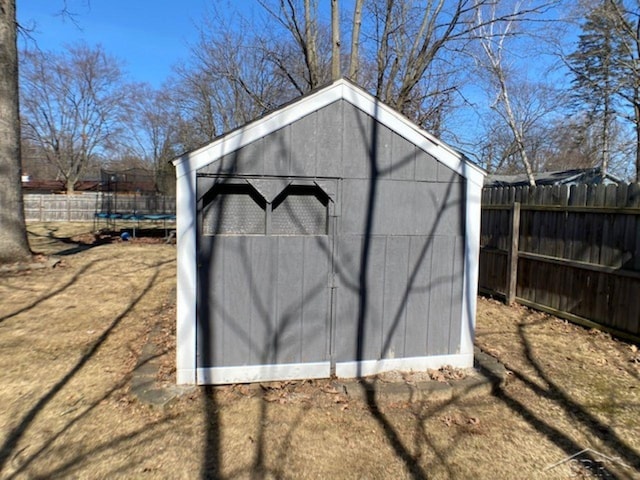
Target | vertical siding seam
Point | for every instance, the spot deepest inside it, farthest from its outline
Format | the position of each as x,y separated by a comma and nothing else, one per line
452,291
383,312
406,306
223,323
414,162
430,283
315,137
304,257
275,325
252,293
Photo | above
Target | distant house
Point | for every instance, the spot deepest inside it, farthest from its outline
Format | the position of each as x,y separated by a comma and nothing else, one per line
132,180
30,186
575,176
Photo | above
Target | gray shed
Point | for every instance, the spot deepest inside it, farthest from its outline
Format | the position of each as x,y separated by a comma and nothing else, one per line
331,237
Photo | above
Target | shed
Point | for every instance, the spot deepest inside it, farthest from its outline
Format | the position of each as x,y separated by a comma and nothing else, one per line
330,237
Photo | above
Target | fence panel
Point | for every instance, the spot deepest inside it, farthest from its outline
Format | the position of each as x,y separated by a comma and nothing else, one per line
577,254
83,207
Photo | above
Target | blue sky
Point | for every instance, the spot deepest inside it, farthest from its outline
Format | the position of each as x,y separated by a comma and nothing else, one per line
149,36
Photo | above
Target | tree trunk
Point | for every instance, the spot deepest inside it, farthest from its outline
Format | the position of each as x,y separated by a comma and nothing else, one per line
636,108
354,59
310,29
13,232
335,40
70,186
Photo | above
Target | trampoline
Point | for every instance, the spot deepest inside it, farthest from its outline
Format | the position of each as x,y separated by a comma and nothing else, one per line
129,200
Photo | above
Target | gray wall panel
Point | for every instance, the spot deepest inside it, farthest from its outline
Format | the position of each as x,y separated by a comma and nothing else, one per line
425,213
216,340
394,208
419,295
287,339
250,159
315,281
264,255
404,159
456,296
238,268
426,167
384,151
439,313
277,152
446,175
355,201
347,273
357,139
226,164
303,146
210,341
328,141
374,295
394,322
451,209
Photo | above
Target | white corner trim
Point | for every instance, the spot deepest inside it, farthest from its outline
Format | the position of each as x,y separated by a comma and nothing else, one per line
418,364
262,373
473,213
186,230
338,90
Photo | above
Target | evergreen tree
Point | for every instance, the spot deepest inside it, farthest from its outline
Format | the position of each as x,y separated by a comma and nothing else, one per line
598,70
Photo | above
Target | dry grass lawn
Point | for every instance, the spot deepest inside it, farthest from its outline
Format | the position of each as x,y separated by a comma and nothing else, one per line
70,338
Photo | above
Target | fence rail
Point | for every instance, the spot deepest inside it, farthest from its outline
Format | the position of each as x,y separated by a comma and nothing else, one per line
83,207
573,252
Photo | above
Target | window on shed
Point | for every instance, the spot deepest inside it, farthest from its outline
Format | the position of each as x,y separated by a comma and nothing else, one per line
300,210
233,209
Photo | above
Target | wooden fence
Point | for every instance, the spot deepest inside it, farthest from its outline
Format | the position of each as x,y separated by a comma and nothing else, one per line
83,207
573,252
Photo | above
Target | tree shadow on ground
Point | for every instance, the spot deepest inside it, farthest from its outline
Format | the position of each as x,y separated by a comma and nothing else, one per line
13,437
627,458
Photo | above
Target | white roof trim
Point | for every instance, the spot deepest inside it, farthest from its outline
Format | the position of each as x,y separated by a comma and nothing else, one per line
339,90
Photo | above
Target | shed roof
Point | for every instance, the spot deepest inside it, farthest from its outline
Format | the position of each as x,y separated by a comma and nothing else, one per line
574,176
339,90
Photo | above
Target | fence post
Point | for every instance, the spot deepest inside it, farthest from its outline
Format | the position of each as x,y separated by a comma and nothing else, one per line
512,267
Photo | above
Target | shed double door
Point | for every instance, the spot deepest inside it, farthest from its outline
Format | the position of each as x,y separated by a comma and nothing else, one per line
264,293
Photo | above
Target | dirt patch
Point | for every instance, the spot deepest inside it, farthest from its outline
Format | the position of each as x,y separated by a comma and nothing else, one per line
70,338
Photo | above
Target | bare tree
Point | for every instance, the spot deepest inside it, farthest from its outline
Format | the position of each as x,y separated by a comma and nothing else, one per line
576,142
494,66
303,29
412,38
73,105
153,136
409,53
234,75
13,233
533,106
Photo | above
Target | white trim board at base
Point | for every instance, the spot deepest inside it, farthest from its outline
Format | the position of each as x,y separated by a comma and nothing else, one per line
300,371
261,373
415,364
